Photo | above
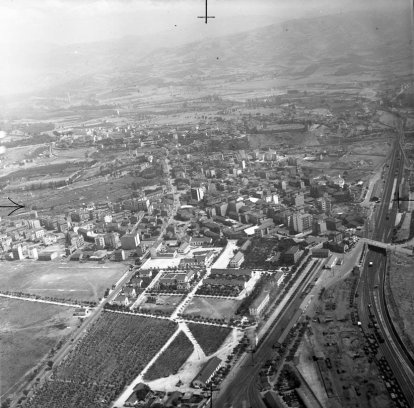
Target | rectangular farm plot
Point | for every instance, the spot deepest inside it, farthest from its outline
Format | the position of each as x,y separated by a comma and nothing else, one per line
60,280
28,331
170,361
111,355
210,338
214,308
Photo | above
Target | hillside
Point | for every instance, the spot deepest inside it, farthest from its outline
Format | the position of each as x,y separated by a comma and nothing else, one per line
336,48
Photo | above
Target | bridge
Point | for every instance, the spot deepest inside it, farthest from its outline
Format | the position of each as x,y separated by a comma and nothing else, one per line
387,246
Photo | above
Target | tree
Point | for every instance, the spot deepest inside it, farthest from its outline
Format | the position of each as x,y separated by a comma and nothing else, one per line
6,403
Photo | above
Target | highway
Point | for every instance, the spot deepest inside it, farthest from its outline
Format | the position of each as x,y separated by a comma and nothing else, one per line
373,281
242,390
391,349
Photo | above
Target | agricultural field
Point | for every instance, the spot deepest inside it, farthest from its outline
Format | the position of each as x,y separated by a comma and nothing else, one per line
170,361
51,169
289,138
215,308
70,280
16,154
166,304
96,190
371,147
28,331
112,354
209,337
361,161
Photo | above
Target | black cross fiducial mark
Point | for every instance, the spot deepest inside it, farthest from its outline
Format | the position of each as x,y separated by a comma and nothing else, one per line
206,17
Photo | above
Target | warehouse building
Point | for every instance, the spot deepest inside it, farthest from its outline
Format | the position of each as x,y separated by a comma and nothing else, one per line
207,372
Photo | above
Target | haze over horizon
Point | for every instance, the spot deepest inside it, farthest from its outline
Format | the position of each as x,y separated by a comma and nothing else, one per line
31,31
62,22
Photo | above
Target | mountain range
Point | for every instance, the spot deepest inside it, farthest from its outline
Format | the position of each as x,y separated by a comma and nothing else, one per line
336,46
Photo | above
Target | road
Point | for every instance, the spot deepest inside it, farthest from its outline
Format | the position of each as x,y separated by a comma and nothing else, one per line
242,391
95,313
173,190
391,349
373,280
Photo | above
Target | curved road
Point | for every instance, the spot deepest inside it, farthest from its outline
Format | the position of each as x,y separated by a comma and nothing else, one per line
373,280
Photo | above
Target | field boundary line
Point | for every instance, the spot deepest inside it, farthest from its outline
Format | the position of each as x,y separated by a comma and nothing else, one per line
139,314
185,320
190,335
51,302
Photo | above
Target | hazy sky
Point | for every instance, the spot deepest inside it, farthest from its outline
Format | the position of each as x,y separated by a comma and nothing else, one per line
73,21
28,28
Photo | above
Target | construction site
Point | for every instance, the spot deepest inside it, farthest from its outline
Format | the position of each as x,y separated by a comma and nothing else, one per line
335,358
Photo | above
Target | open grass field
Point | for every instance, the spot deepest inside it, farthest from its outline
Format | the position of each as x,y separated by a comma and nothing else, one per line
210,338
111,355
161,263
212,307
28,330
403,232
70,280
170,361
289,138
402,302
363,160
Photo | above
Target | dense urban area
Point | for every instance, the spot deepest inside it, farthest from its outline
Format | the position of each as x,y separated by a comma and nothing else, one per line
249,247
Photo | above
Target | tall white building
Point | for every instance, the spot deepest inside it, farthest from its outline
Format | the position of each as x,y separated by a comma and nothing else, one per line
197,194
18,252
130,241
301,222
100,242
32,253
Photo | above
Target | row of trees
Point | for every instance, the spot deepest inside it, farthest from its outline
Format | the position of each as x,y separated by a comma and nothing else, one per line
48,298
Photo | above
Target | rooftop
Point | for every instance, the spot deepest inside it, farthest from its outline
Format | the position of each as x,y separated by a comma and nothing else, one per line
208,369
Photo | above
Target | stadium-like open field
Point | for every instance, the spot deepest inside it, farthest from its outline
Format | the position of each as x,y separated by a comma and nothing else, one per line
72,280
28,330
214,308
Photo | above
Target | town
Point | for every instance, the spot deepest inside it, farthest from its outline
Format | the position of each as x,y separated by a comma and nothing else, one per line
206,249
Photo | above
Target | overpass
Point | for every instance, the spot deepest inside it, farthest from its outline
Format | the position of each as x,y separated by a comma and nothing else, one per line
387,246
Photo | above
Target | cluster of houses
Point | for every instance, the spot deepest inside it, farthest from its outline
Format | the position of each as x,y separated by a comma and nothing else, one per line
131,290
229,280
177,280
143,396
